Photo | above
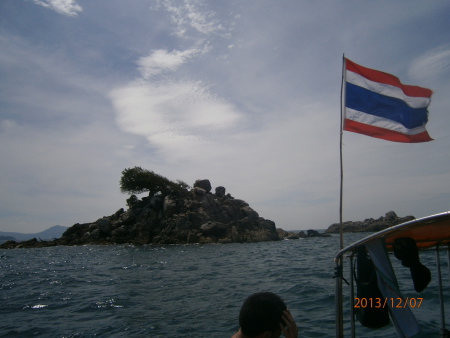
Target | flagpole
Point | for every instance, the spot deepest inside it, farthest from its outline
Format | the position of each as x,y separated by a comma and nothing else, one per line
339,262
341,230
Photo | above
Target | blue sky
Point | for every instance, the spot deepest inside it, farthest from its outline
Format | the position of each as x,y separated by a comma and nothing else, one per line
243,93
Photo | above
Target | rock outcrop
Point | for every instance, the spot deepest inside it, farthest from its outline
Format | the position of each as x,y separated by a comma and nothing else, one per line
179,216
315,233
31,243
370,224
301,234
290,234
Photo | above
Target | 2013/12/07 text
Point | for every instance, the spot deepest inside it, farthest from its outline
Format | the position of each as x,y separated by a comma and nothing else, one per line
397,303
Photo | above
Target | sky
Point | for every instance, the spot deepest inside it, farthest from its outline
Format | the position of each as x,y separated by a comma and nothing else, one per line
243,93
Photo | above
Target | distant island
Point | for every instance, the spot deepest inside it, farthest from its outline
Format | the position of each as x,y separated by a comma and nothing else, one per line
53,232
370,224
172,213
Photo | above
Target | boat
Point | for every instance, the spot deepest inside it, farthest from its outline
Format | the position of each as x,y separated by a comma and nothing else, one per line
423,234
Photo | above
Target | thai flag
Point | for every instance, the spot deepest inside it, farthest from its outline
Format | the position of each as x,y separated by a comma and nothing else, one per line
377,104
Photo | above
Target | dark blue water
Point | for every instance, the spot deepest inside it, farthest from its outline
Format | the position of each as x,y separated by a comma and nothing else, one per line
175,291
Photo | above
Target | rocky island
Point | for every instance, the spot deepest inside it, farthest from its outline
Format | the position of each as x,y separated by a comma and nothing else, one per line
174,213
370,224
171,214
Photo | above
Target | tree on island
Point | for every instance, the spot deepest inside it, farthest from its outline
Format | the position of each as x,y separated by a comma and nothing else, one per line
137,180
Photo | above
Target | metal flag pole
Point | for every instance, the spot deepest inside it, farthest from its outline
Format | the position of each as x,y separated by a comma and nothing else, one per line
339,262
341,230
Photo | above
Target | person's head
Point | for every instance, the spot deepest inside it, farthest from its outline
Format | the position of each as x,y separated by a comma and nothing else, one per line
262,313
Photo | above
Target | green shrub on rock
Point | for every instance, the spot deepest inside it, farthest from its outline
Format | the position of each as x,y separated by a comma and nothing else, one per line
137,180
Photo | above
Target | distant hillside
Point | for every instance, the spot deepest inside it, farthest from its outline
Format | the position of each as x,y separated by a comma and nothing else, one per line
51,233
370,225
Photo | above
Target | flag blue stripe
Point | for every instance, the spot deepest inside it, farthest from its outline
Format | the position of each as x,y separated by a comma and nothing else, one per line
391,108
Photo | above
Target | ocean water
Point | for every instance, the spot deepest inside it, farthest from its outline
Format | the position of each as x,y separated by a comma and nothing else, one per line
180,290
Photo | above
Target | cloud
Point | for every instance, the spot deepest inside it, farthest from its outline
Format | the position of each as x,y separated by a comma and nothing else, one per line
172,114
169,111
190,15
434,63
161,61
65,7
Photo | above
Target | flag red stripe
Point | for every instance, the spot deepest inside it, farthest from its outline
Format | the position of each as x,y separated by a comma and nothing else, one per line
382,77
385,134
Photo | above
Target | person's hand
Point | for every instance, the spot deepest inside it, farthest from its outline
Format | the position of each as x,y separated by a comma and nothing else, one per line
289,328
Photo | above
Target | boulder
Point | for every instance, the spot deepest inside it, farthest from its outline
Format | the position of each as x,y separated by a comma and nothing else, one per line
390,216
290,234
156,202
199,191
127,217
294,235
204,184
250,213
118,213
104,225
214,229
315,233
120,232
220,192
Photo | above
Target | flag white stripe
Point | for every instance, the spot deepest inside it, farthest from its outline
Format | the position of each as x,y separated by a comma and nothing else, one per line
380,122
387,90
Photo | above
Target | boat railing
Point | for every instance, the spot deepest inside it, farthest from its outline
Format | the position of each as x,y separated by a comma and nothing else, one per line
437,244
349,280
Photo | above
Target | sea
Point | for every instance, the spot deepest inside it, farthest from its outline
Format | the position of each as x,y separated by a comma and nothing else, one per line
183,290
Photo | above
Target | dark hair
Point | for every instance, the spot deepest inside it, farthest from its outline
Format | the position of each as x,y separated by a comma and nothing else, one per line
261,312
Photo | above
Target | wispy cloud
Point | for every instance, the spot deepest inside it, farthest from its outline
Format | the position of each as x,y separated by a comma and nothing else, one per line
65,7
171,113
190,15
161,61
174,113
434,63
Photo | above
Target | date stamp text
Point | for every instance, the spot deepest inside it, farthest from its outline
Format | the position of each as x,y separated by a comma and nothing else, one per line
396,303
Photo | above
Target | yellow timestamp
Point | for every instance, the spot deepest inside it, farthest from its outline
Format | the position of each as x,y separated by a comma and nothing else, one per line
396,303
